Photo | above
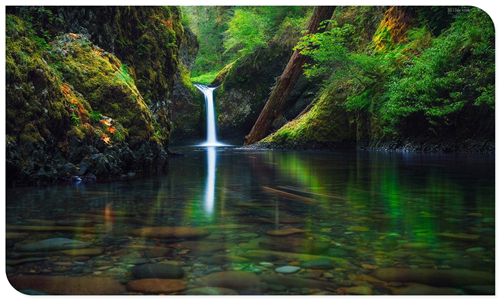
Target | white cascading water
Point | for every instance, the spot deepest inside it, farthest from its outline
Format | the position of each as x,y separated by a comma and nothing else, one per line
209,101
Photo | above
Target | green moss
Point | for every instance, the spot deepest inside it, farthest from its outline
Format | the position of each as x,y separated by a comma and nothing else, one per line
326,122
30,134
106,84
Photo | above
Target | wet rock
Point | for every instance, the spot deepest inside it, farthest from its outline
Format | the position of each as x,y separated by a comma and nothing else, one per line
296,245
276,288
358,228
83,252
15,235
335,252
170,232
287,269
137,261
471,264
70,169
294,282
285,232
52,245
211,291
319,263
436,256
54,229
14,262
226,226
266,264
421,289
259,256
236,280
440,277
167,271
416,246
314,274
202,246
475,251
479,289
459,236
156,286
61,285
357,290
32,292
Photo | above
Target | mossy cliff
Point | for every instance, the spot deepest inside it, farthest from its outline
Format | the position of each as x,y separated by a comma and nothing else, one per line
89,90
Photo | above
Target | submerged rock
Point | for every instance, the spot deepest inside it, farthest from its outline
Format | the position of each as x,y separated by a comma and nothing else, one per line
61,285
290,281
450,278
459,236
158,271
479,289
297,245
287,269
319,263
156,286
236,280
421,289
285,232
211,291
202,246
357,290
83,252
170,232
52,245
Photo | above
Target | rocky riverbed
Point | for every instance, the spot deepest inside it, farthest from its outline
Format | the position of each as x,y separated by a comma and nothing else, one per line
95,253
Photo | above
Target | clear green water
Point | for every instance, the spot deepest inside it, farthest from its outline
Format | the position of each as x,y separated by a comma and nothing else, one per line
372,210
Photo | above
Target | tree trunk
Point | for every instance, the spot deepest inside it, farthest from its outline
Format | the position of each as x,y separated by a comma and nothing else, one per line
286,81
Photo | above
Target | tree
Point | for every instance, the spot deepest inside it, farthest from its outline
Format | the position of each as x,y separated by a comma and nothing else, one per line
286,82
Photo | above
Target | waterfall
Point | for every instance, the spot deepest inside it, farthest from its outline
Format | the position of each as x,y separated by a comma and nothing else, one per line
209,102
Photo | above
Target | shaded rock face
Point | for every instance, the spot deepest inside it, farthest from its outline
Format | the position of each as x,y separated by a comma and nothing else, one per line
104,86
188,105
246,87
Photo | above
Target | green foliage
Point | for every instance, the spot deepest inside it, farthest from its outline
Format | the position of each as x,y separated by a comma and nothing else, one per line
227,33
205,78
456,73
247,32
417,85
75,120
95,116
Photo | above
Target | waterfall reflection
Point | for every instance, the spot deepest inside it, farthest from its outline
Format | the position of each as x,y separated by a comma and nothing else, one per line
210,186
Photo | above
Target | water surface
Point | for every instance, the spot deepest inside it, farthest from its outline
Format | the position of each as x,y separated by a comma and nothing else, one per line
268,209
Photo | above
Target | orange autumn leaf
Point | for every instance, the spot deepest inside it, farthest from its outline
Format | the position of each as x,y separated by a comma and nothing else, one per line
73,35
65,90
106,122
106,139
112,130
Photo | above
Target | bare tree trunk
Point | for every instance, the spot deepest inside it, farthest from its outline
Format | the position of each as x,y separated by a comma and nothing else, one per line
286,82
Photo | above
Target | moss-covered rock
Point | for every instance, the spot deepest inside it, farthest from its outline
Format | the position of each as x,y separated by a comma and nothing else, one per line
70,101
325,126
